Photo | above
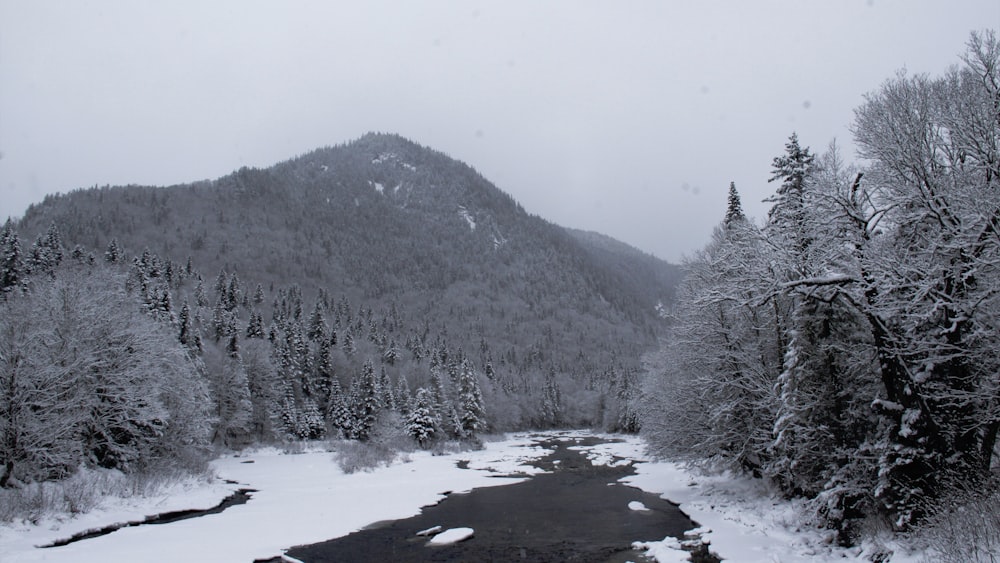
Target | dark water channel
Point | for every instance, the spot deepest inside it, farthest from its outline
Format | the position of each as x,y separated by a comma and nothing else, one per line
241,496
578,512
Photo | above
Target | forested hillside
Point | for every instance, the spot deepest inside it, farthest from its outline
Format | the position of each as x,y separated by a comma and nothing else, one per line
371,288
846,348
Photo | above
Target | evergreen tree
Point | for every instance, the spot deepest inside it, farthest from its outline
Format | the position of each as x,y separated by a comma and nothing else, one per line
366,404
552,407
317,324
47,252
391,353
338,410
255,328
200,299
734,209
420,422
385,391
11,261
114,253
184,320
788,214
472,412
403,396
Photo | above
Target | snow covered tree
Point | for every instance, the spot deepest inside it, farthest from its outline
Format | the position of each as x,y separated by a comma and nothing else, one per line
185,332
734,210
403,396
552,405
47,252
365,403
932,144
87,379
420,421
255,327
114,253
338,409
11,261
388,400
472,411
264,389
317,324
233,404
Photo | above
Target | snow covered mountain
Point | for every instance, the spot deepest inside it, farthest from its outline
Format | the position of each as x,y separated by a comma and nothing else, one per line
385,222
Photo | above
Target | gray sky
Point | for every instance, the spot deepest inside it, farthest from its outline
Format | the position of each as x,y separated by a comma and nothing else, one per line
628,118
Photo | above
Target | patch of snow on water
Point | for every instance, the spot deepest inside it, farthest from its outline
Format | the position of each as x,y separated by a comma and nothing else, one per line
668,550
637,506
429,531
452,535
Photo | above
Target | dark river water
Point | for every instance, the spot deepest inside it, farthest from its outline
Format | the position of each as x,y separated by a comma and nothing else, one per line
578,512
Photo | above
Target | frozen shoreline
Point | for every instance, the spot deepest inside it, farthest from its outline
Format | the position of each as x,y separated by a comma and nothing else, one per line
306,498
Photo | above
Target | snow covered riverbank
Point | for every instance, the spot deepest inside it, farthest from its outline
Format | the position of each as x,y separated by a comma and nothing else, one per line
306,498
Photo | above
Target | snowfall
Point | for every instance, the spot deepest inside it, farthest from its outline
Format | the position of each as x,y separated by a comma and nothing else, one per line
304,498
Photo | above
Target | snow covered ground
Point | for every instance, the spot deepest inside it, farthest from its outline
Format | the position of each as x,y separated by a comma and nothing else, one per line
741,519
305,498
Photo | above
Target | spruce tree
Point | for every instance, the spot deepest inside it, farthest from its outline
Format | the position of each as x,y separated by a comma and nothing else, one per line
366,404
420,422
734,209
11,261
472,412
317,324
114,253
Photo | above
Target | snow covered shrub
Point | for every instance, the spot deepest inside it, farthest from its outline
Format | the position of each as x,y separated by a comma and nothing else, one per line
387,440
965,529
354,456
83,491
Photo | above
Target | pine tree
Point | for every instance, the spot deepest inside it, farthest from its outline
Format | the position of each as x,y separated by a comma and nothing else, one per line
403,396
47,252
366,404
114,253
388,401
420,422
200,299
338,410
184,320
11,261
255,328
233,293
472,412
220,287
391,353
552,407
734,210
788,214
317,324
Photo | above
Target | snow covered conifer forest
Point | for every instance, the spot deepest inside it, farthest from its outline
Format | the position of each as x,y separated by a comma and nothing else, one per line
846,347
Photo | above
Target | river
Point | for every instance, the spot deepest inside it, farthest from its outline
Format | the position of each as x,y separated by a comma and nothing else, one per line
577,511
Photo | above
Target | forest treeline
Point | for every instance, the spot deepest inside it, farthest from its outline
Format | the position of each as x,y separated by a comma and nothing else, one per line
846,348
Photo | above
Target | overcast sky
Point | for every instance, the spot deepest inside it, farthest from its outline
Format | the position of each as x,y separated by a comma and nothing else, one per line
628,118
